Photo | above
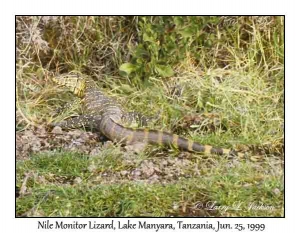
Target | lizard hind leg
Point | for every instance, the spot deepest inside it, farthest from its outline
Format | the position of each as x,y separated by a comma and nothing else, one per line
75,122
138,119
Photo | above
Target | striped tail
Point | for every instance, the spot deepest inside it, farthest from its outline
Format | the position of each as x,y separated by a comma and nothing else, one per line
119,133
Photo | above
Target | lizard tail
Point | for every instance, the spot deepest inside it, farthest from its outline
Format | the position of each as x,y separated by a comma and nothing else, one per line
119,133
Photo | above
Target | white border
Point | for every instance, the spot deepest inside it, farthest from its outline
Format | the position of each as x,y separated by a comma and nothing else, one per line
212,7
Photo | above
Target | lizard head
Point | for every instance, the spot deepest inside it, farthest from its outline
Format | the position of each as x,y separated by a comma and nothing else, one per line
75,82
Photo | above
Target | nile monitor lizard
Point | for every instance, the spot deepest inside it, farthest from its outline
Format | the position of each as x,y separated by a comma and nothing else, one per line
105,115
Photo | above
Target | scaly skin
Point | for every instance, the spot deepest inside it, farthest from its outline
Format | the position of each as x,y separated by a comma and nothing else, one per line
105,115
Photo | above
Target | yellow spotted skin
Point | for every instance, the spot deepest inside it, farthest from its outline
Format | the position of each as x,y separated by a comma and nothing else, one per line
105,115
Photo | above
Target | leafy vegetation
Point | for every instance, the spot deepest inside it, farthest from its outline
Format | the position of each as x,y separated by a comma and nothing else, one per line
217,80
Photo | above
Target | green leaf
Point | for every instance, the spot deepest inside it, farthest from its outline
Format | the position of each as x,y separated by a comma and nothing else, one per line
187,32
141,52
148,38
179,21
127,89
164,71
128,68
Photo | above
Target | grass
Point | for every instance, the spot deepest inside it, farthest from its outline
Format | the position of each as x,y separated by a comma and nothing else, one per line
55,191
228,70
